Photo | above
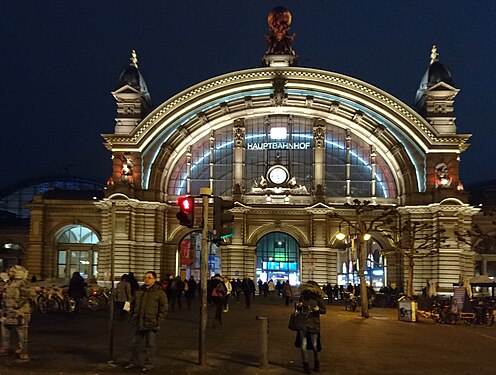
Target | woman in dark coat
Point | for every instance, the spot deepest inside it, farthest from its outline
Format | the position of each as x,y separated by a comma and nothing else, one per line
218,295
310,306
77,288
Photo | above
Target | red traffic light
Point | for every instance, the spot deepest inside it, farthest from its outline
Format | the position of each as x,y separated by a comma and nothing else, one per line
186,212
186,204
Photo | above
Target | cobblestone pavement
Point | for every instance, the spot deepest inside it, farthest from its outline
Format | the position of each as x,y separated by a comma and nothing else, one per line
80,344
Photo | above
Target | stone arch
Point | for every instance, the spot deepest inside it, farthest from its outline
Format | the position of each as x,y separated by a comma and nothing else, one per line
404,135
263,230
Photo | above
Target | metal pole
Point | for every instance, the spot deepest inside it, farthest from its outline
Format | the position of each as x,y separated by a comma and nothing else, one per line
202,352
264,341
111,298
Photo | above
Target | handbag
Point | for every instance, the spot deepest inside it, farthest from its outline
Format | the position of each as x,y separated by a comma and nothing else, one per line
127,306
293,324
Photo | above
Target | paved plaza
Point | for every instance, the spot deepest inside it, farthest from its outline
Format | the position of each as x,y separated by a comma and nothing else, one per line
80,344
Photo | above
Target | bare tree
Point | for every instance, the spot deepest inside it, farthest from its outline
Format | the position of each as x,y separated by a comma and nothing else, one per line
414,240
367,217
477,235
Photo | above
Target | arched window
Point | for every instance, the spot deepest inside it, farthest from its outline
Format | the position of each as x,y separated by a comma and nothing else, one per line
278,258
76,251
285,140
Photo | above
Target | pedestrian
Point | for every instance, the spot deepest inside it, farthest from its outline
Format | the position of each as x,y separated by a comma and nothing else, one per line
122,295
190,290
150,310
336,291
271,288
77,289
328,291
308,335
176,292
279,288
16,313
246,287
218,294
133,282
287,292
229,290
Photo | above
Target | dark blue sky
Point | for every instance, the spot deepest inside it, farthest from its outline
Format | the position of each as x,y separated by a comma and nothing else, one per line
61,59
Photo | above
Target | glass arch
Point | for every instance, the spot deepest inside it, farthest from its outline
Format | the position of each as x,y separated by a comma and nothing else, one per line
278,258
212,162
76,252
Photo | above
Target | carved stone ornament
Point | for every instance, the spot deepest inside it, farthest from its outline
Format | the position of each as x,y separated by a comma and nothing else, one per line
319,133
127,169
239,133
443,178
279,96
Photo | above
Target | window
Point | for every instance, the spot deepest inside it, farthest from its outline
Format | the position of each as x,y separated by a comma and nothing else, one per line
76,251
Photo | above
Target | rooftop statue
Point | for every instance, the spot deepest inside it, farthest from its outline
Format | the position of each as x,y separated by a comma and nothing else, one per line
278,39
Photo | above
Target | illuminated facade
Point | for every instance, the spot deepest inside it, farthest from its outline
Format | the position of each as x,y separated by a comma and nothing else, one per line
291,146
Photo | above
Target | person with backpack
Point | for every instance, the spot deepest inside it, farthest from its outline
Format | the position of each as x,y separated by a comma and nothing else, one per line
219,292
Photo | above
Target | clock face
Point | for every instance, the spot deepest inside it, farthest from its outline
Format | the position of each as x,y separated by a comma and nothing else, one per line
277,175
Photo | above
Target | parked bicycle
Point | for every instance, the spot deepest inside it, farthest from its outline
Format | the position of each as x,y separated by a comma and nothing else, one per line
52,298
99,298
484,313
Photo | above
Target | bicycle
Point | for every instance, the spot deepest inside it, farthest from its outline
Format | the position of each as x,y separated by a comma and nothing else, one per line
99,298
51,299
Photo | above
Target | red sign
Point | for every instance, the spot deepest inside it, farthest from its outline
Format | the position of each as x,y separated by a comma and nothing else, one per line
186,255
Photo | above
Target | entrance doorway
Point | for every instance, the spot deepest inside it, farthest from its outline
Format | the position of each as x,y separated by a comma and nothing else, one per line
278,258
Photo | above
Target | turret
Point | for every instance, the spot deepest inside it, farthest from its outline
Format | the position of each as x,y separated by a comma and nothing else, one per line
132,98
435,96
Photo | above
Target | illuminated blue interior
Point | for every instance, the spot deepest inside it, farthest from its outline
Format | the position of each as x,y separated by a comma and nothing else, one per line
414,152
305,136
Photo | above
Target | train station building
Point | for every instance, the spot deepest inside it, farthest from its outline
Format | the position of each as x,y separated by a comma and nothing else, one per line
294,148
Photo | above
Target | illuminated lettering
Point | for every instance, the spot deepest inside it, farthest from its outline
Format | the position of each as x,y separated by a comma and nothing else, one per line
278,145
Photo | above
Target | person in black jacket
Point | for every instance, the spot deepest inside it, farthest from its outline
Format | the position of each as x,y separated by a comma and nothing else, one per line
310,306
150,309
77,289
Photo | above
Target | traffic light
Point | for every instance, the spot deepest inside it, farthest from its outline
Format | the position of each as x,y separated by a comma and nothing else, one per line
222,220
186,214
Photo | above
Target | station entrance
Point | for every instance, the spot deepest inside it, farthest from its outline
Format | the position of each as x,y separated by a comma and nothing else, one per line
278,257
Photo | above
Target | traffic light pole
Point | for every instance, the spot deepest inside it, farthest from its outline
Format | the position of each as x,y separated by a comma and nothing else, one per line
205,193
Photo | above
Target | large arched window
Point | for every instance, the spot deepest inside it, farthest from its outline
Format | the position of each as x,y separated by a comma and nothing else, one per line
76,251
344,148
199,167
352,166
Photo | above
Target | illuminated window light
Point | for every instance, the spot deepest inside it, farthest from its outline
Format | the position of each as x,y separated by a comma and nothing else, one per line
278,132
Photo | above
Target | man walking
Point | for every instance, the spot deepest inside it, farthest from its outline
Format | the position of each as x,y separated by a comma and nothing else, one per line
150,310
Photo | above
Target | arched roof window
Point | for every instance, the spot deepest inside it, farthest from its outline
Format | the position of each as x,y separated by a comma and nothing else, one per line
77,234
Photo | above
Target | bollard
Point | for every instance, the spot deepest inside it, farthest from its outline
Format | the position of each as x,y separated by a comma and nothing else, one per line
264,341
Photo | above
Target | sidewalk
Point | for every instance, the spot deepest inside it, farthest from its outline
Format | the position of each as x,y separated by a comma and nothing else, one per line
351,345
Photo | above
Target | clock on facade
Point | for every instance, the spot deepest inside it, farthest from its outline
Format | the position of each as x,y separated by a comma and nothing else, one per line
278,175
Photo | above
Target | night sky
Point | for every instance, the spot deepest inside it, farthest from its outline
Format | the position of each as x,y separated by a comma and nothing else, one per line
61,59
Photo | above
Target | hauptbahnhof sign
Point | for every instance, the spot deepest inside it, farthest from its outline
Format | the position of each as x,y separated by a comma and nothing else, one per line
278,146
